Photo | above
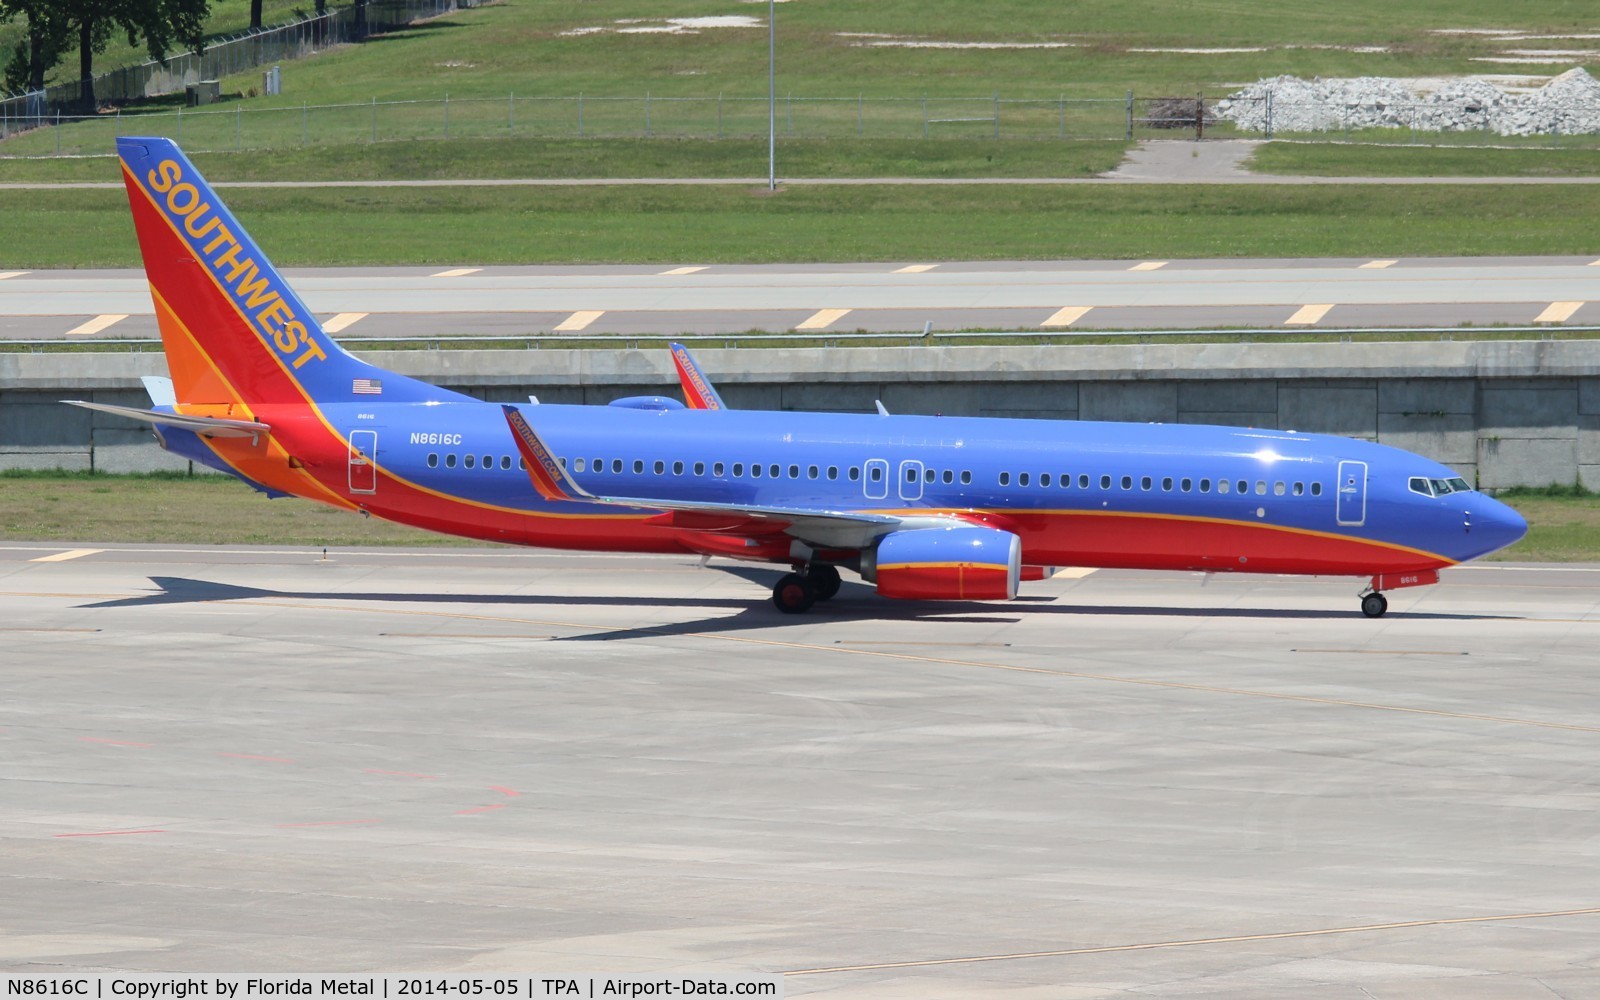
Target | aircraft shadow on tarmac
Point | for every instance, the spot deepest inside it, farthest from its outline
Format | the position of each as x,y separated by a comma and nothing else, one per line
855,602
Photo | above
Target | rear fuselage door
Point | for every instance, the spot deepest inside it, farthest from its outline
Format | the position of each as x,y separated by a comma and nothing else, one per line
363,453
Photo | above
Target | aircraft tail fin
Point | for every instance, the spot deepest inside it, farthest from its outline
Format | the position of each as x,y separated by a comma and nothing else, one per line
698,391
233,329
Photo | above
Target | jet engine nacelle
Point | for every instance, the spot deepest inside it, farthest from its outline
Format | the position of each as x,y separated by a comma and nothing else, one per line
945,564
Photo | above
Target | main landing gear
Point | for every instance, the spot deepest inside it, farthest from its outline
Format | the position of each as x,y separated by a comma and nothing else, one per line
1373,605
795,593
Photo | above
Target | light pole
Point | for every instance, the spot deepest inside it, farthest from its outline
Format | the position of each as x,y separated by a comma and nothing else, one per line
772,96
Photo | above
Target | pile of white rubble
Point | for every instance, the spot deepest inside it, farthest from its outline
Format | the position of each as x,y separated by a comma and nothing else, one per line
1569,104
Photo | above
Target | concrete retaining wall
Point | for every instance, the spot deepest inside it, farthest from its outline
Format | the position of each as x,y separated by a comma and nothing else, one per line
1504,413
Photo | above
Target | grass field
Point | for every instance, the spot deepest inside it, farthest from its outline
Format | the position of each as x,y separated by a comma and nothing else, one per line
215,510
1351,160
950,52
641,224
558,158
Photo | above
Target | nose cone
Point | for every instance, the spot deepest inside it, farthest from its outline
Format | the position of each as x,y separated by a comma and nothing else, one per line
1493,526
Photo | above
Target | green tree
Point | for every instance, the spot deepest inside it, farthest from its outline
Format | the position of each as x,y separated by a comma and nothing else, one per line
160,23
38,52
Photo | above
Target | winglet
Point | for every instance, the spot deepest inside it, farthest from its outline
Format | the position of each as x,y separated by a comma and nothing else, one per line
697,389
549,476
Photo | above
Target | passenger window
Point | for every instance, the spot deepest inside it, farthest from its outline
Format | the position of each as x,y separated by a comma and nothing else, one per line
1205,486
1127,482
433,460
1022,480
1005,479
1083,481
578,466
616,466
505,462
717,468
1277,489
794,472
755,471
1299,489
1261,488
660,467
598,464
949,476
1166,485
911,474
855,473
1044,479
488,462
811,472
1105,482
1186,484
1144,483
833,472
522,464
638,466
738,469
876,474
966,478
699,468
1244,486
773,471
1223,486
469,460
1316,489
927,475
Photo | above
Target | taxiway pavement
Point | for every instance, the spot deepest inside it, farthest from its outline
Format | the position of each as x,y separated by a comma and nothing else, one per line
242,759
1059,297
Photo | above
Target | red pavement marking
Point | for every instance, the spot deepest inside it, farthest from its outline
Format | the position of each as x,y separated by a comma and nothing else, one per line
503,790
480,809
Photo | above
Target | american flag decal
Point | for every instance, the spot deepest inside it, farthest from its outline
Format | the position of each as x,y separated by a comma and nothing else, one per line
366,386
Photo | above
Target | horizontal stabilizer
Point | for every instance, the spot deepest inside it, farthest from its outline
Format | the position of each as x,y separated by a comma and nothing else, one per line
204,426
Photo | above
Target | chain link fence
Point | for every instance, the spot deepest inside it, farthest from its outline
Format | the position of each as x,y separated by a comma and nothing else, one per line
236,125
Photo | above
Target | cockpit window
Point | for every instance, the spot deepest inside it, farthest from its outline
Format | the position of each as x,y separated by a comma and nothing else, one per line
1438,487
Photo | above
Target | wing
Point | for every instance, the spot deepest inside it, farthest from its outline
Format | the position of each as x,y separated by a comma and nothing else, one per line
698,391
822,528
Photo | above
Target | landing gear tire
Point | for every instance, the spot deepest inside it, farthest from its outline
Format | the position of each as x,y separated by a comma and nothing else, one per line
1374,605
824,580
794,594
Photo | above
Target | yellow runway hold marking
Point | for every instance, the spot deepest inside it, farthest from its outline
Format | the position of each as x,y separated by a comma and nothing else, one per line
1378,264
1149,265
822,319
1558,312
1072,572
12,274
97,324
684,270
342,321
915,268
1196,942
1308,315
69,554
579,320
456,272
1067,315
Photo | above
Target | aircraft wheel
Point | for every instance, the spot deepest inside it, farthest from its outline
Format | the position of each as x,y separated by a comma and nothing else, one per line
1374,605
824,580
793,594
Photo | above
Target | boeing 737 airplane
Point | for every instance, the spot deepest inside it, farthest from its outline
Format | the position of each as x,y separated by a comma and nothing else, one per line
925,508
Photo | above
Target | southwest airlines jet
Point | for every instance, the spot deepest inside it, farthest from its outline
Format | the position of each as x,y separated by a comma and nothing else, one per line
924,508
